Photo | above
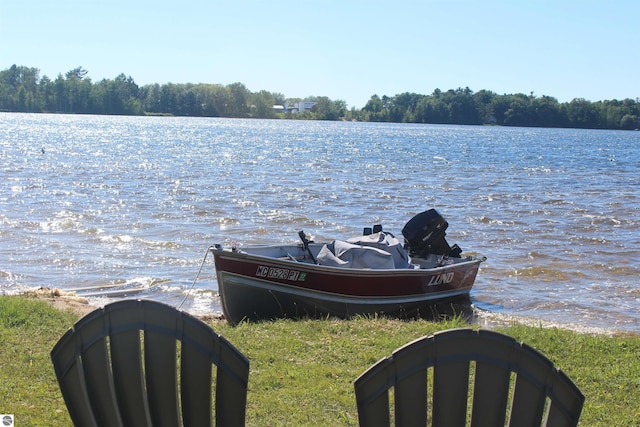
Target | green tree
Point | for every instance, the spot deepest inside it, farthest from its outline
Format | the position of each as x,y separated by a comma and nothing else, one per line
629,122
433,109
545,111
484,105
47,98
239,106
401,108
77,73
19,89
221,98
518,112
61,94
326,109
374,110
262,105
582,114
462,107
77,91
151,98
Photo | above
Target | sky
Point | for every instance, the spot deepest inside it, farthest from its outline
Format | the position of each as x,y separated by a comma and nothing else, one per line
345,50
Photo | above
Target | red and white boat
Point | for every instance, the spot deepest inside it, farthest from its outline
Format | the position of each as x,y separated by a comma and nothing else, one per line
367,275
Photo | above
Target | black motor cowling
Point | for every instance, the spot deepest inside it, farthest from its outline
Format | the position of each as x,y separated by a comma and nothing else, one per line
424,234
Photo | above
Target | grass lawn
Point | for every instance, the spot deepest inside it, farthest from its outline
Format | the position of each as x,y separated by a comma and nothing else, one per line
302,372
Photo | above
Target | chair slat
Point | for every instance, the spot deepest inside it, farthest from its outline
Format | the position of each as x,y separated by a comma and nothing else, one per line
98,380
533,371
161,378
450,394
231,384
128,378
410,395
372,394
451,378
160,362
410,386
528,404
564,408
195,376
490,395
68,368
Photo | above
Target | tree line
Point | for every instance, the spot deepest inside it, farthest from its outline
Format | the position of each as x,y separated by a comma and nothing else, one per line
22,89
463,106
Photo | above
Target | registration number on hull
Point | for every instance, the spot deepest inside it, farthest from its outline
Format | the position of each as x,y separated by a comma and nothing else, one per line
281,273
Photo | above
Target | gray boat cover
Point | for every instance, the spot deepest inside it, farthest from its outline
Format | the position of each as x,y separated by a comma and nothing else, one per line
375,251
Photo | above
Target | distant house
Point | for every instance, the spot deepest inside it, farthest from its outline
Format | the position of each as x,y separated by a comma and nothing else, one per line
297,107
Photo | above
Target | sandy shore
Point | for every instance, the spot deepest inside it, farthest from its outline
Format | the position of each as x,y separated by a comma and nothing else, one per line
64,301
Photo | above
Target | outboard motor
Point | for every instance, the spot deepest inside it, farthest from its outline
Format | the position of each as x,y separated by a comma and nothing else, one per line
424,234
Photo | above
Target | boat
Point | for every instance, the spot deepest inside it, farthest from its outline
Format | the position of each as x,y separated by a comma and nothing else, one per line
371,275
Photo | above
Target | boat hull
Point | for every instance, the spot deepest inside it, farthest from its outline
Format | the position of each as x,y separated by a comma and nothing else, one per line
254,287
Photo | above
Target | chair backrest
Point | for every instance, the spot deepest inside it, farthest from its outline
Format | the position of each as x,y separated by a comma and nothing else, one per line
118,366
479,378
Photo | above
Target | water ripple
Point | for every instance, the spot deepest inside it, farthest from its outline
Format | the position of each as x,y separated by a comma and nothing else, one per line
126,200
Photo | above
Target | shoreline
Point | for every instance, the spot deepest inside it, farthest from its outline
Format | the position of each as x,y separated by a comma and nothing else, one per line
69,301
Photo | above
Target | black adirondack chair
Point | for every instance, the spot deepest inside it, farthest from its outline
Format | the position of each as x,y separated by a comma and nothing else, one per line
479,377
118,366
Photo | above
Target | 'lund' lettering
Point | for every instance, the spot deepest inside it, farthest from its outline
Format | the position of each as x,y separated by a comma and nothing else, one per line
441,279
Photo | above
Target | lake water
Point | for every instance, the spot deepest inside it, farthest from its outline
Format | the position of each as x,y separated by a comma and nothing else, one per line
89,201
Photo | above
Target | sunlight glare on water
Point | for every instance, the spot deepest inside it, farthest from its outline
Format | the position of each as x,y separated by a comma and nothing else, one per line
135,201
